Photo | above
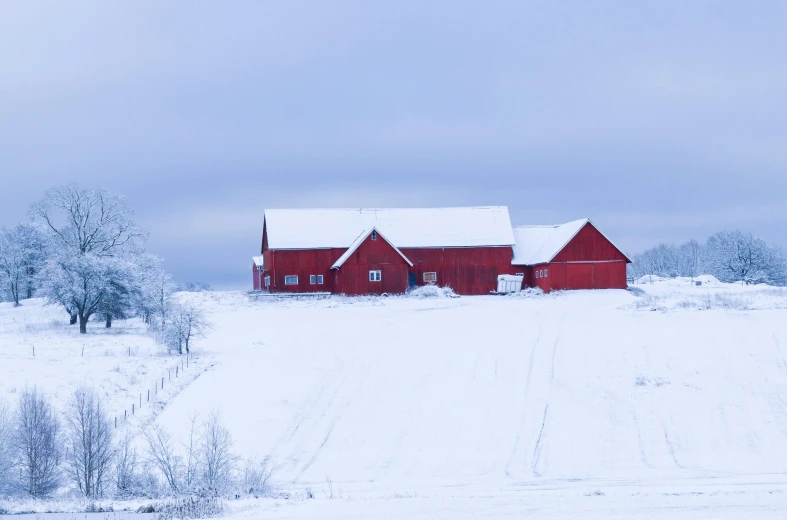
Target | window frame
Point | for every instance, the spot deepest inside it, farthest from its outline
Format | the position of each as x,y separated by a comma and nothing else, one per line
320,279
289,277
546,273
312,279
434,280
375,275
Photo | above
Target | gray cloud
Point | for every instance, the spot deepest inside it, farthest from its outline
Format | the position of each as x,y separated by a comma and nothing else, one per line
659,120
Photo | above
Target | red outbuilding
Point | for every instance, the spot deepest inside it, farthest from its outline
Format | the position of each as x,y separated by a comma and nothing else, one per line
575,255
375,251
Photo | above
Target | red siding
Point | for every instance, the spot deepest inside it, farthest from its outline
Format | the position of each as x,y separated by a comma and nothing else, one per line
588,245
589,261
372,255
467,270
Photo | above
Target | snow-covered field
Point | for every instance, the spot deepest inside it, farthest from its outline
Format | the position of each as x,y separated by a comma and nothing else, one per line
665,401
39,348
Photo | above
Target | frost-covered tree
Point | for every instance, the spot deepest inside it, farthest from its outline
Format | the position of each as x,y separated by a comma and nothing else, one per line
95,242
87,283
36,444
187,322
22,254
90,443
156,294
6,454
217,459
739,256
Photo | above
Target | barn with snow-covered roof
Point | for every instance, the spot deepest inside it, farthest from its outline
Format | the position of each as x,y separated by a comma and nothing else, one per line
575,255
374,251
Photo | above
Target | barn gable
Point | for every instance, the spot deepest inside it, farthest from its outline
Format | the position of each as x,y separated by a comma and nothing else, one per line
579,238
373,234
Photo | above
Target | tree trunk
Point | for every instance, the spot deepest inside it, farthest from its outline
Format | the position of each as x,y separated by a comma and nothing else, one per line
82,324
187,346
109,321
73,319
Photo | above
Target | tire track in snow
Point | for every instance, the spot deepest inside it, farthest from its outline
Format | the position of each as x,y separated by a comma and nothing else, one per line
345,401
523,415
539,442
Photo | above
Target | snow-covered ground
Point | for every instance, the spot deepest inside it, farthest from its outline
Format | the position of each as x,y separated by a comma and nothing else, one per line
665,401
39,348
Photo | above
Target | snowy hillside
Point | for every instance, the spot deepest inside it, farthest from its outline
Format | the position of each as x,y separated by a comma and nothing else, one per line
669,396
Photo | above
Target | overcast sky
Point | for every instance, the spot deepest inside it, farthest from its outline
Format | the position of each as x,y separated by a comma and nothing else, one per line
659,120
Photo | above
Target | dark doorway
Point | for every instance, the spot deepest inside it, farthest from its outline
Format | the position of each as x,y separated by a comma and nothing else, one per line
412,279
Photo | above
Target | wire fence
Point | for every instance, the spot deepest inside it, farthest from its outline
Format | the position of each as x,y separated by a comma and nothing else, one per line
150,395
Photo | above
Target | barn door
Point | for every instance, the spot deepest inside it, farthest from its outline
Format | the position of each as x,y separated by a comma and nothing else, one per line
412,279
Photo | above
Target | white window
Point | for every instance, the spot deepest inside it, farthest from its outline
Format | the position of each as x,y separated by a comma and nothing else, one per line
546,273
313,279
319,279
536,274
430,277
375,276
267,281
541,274
374,235
291,280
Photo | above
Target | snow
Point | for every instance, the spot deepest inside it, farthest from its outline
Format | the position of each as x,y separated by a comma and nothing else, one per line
404,227
357,243
576,404
540,244
38,347
259,261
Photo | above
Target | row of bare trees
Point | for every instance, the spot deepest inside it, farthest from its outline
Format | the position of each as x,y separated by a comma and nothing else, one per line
42,453
730,256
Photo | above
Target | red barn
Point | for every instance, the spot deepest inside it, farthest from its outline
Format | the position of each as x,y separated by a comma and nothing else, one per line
374,251
575,255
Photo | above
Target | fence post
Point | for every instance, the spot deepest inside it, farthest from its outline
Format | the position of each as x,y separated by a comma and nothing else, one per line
176,371
116,422
162,383
125,415
148,394
132,408
140,400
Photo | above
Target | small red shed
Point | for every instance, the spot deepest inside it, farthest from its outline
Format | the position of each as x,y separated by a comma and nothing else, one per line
575,255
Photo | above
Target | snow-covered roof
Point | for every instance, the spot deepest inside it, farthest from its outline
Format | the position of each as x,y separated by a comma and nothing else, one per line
541,244
357,243
258,261
403,227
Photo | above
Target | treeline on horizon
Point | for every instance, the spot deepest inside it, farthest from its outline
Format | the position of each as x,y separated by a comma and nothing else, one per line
730,256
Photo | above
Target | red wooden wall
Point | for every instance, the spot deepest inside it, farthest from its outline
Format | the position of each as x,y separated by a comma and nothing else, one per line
589,244
372,255
589,261
467,270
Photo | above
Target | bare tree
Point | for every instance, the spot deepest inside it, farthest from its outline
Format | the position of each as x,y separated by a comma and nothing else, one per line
191,473
91,448
6,455
187,322
36,444
256,477
126,467
216,456
161,453
89,220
